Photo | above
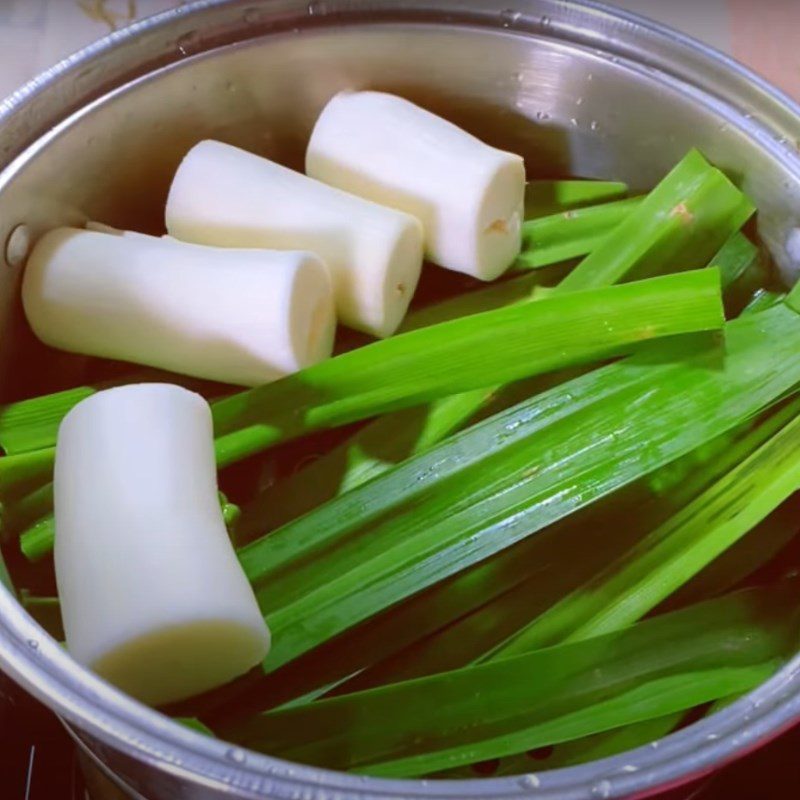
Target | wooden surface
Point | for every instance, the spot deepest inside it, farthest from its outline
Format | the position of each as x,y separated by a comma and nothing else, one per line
765,34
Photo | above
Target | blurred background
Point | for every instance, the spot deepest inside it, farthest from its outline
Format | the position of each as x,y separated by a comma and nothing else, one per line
37,760
764,34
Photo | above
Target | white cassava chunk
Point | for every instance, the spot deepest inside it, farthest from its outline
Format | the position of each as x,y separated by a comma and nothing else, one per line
225,196
152,595
468,195
238,316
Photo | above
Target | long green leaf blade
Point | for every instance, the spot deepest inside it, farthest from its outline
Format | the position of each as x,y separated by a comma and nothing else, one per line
516,589
742,559
489,298
663,561
763,299
683,221
734,258
570,234
22,473
585,749
499,708
20,515
462,354
509,477
545,197
652,699
30,424
617,740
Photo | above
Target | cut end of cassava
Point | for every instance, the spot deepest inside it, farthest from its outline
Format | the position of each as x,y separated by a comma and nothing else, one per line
400,279
499,225
375,299
312,325
190,215
171,664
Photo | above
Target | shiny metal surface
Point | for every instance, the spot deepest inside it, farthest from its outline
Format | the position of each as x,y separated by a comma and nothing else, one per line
577,89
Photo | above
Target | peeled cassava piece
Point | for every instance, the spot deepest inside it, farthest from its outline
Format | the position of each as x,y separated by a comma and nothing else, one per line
468,195
237,316
225,196
152,594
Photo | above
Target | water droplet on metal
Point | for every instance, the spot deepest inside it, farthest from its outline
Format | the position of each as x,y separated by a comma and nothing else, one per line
530,781
33,644
594,124
546,21
601,789
712,737
518,77
237,755
629,768
542,115
317,8
17,245
573,122
187,43
579,101
509,17
590,77
654,745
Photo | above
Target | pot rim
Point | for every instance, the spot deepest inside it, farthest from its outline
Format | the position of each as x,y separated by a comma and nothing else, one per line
42,666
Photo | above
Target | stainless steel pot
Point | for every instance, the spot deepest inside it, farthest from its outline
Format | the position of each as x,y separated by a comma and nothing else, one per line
575,87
